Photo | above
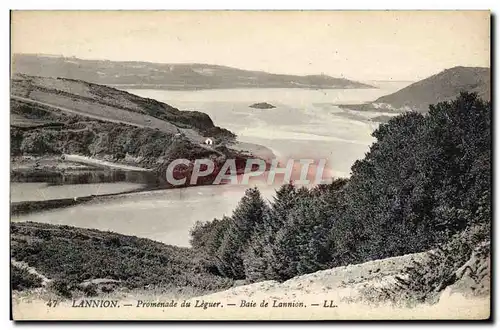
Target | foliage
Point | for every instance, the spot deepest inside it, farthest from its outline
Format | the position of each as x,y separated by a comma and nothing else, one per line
80,135
61,287
208,236
91,290
425,183
427,279
465,257
243,224
71,255
16,139
424,180
38,143
22,279
97,139
421,182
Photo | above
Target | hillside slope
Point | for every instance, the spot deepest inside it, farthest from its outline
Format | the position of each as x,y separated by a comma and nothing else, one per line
443,86
67,116
168,76
378,289
75,256
106,103
440,87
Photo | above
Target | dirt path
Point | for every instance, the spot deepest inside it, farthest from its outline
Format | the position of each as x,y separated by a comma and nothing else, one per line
150,122
325,295
103,163
75,112
31,270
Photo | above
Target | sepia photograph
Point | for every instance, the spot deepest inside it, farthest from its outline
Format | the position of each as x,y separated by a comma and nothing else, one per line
250,165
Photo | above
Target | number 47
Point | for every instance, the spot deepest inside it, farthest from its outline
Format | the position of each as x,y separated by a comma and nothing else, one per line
52,303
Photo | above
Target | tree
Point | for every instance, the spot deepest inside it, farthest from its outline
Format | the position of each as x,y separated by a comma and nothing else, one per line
419,183
258,258
246,218
302,244
208,236
38,142
425,179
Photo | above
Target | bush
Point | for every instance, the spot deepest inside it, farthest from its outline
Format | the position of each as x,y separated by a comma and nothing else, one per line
104,138
429,276
38,142
21,279
75,255
425,179
208,236
420,182
90,290
61,287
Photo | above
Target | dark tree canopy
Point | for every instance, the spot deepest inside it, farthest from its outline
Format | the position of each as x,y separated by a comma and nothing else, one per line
426,178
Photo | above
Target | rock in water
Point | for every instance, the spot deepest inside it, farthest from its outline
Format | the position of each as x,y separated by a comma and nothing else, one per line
262,105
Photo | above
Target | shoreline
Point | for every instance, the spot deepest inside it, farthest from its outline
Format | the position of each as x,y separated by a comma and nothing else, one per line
191,88
68,164
28,207
102,163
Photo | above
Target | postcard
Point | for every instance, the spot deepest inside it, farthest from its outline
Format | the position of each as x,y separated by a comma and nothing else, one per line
250,165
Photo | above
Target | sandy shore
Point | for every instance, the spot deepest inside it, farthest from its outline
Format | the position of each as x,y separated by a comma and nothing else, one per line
255,150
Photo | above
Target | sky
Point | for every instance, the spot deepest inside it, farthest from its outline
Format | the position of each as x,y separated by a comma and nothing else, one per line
361,45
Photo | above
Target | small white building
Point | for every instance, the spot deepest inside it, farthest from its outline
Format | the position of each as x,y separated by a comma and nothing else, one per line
209,141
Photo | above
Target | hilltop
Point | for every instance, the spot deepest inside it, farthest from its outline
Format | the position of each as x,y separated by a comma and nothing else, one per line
440,87
168,76
67,116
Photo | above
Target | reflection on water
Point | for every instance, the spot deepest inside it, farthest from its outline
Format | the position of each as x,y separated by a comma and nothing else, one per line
85,177
42,185
39,191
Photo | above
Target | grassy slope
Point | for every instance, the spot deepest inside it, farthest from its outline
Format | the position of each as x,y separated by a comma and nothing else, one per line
76,255
75,117
94,100
144,269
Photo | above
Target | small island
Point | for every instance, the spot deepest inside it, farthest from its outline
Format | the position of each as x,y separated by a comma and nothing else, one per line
262,105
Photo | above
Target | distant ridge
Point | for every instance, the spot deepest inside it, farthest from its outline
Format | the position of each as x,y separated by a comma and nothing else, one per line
440,87
168,76
443,86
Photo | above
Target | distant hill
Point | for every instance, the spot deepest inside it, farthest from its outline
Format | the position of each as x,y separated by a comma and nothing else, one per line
443,86
168,76
440,87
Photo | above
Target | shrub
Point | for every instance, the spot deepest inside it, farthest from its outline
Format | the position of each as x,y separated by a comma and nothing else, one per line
22,279
75,255
90,290
425,179
61,287
38,142
420,182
